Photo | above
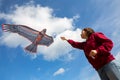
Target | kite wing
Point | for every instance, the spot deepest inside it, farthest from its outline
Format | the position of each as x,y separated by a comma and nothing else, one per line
36,37
22,30
29,33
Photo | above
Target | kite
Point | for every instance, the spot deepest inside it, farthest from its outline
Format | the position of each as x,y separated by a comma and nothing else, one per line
36,37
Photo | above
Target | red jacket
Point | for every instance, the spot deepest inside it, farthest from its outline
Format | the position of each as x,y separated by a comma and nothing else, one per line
96,41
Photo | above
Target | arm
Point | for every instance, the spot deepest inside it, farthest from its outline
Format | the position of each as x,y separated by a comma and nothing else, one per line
73,43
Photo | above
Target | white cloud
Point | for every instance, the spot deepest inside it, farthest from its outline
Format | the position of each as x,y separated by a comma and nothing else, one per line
13,40
59,71
59,47
38,17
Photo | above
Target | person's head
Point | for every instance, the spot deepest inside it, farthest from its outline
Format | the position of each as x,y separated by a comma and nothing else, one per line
86,32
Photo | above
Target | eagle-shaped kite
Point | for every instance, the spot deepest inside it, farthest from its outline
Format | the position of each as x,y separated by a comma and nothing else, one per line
36,37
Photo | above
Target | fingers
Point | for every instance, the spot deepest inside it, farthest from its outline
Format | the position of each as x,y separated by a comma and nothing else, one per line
93,53
93,57
63,38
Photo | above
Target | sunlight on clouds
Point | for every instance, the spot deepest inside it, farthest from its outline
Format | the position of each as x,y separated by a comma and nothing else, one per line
38,17
59,71
13,40
59,47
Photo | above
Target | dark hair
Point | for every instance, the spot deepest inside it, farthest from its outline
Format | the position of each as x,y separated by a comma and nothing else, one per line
88,31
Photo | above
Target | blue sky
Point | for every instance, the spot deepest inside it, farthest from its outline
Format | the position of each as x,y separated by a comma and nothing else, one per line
61,18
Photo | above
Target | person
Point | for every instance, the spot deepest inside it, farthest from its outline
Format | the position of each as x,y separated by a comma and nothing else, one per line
97,49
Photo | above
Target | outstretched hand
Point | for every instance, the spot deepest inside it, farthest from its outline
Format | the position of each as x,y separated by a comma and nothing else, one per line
63,38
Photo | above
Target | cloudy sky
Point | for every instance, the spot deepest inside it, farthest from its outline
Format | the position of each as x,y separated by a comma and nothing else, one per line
66,18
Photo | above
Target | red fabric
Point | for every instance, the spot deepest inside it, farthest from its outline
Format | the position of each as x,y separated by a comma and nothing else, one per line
97,41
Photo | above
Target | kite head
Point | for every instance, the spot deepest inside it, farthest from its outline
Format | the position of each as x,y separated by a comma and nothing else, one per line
43,31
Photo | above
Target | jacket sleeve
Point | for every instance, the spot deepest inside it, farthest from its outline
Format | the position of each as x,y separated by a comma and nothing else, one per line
74,44
106,44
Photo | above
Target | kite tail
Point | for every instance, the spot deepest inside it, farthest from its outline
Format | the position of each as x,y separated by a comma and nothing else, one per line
7,27
31,48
